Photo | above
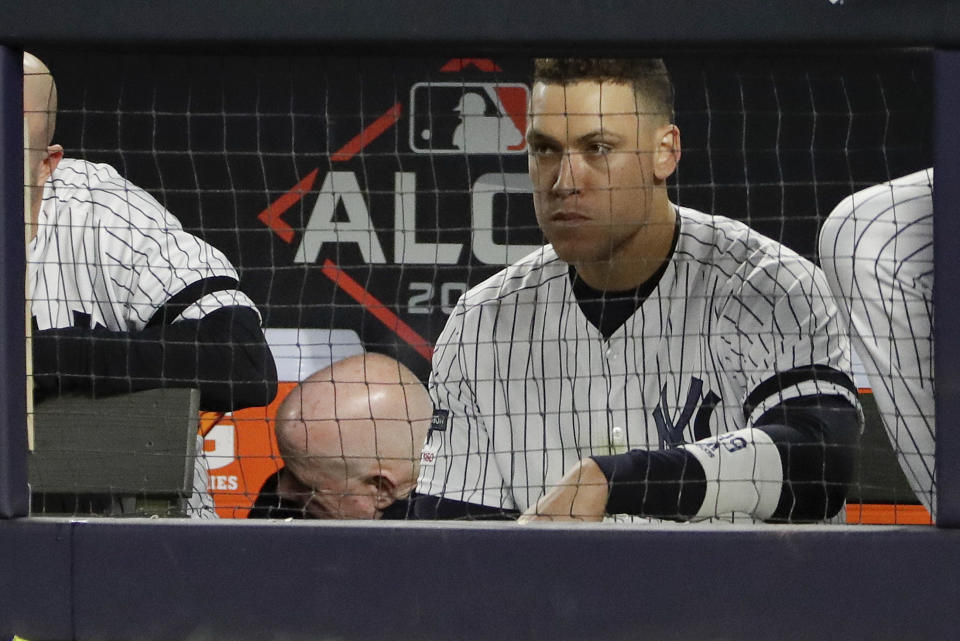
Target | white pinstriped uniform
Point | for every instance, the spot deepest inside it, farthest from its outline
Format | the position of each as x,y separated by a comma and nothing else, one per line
876,249
531,386
107,253
106,248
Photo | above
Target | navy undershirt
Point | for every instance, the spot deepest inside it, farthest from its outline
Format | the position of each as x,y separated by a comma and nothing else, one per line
609,310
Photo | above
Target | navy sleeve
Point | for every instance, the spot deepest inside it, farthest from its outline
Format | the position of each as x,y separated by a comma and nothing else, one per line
665,484
816,437
224,354
428,507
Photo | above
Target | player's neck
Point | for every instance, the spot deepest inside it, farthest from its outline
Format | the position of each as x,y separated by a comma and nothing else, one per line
637,260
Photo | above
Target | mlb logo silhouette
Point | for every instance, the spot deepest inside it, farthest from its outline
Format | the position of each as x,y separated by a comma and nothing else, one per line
468,118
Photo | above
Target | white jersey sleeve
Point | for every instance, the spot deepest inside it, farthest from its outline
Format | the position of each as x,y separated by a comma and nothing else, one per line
876,248
779,333
458,460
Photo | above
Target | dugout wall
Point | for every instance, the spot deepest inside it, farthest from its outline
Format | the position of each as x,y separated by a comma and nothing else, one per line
64,579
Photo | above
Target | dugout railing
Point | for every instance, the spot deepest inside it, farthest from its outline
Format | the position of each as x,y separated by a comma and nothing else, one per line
165,579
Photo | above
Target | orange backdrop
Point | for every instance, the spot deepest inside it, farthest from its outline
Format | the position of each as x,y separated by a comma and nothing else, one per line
242,451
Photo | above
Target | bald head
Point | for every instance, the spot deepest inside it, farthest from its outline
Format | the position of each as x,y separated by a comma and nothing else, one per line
352,433
39,100
40,119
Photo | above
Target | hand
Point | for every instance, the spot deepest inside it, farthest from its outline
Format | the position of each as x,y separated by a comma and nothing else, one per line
581,495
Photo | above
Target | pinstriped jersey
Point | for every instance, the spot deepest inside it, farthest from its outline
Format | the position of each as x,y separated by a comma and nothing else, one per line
107,253
525,386
876,248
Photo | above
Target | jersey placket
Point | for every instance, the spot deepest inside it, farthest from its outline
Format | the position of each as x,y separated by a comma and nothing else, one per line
614,378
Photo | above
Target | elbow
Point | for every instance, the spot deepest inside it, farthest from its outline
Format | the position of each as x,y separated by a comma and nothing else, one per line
819,462
262,380
253,379
245,377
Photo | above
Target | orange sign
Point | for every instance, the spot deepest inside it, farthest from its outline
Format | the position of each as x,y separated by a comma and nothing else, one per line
241,450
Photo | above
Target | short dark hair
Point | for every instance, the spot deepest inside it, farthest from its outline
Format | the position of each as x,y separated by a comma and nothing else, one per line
648,76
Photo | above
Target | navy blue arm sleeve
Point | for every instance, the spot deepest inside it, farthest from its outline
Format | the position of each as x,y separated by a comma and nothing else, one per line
664,484
224,354
815,435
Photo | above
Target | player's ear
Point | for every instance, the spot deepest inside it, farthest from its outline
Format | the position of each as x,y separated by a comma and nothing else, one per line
667,152
52,158
384,492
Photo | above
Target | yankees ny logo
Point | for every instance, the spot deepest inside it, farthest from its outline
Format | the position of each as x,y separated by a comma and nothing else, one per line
671,434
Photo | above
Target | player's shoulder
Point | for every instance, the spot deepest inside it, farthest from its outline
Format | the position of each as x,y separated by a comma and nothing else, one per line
76,174
715,239
76,190
521,279
739,260
912,190
98,190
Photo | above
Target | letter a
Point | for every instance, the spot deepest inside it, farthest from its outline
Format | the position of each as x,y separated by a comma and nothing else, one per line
340,186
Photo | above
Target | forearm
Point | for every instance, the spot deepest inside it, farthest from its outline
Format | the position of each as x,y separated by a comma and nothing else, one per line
224,355
581,495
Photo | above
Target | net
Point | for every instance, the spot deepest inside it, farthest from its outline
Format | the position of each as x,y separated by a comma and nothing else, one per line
360,198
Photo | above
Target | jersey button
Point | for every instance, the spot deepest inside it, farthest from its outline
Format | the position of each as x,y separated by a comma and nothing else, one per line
616,435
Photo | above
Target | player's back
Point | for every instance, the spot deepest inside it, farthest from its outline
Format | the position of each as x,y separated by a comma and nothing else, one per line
108,254
96,194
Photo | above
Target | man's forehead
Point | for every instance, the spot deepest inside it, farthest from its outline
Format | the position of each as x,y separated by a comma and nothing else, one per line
583,113
583,98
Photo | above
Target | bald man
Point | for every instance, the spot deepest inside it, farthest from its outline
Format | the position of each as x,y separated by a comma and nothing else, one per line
123,299
350,437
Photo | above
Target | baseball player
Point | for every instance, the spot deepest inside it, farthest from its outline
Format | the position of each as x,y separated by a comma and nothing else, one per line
876,249
122,298
674,364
